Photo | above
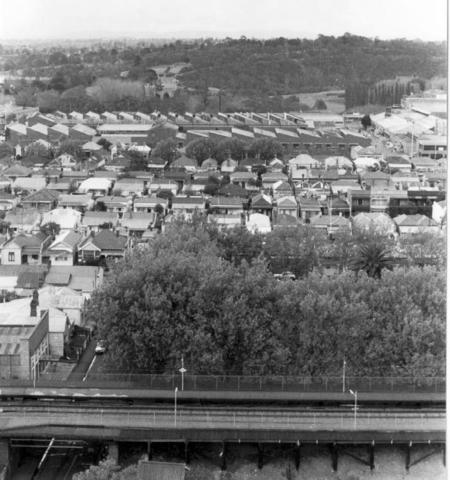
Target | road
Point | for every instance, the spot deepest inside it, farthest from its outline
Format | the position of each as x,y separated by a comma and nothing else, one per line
84,362
289,419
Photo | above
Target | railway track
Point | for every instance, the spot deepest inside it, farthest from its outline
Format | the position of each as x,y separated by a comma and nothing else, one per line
224,417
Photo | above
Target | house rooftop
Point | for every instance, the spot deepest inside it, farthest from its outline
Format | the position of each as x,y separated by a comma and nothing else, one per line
84,129
415,221
43,195
107,240
188,201
225,202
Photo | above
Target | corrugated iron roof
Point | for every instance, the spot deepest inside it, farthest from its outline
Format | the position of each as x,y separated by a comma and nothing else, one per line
58,278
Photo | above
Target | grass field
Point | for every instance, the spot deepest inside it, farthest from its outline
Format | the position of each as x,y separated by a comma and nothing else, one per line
333,98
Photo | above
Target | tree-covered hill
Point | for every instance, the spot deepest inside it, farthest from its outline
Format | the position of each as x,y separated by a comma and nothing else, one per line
284,66
251,74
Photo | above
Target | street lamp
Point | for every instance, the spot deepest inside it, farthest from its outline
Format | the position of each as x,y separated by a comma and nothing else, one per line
175,406
182,370
355,394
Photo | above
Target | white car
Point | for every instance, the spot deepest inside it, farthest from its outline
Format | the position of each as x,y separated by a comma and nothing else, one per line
285,276
100,348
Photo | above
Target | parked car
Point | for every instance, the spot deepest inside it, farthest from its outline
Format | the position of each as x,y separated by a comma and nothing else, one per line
284,276
100,347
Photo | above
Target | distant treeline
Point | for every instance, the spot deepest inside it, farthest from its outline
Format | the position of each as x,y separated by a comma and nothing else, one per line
384,92
248,70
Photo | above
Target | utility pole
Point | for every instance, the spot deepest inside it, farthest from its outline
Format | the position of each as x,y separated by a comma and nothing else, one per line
175,406
344,364
329,213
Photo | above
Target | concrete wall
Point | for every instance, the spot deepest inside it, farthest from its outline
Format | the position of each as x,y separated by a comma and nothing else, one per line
56,344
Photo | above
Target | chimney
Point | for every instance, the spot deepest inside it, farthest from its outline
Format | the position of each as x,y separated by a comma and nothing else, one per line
34,304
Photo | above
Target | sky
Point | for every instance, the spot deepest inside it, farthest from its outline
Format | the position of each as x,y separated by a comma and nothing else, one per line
76,19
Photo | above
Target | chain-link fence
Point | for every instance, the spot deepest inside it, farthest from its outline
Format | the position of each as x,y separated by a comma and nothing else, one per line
239,383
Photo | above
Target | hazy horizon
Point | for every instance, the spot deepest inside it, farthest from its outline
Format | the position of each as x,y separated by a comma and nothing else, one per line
53,20
185,37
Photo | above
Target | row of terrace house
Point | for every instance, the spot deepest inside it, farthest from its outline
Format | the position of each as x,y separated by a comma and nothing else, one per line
322,134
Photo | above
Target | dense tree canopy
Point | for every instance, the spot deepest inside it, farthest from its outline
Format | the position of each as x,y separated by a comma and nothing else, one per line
107,470
166,149
201,149
225,149
251,74
210,297
71,147
265,149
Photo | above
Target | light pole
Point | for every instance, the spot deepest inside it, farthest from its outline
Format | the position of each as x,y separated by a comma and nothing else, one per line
175,406
182,370
355,394
412,140
344,364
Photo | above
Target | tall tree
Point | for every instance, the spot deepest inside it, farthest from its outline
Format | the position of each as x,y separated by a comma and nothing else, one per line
233,148
372,259
166,149
265,149
201,149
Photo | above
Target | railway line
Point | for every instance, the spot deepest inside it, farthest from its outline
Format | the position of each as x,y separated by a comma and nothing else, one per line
37,418
145,396
222,417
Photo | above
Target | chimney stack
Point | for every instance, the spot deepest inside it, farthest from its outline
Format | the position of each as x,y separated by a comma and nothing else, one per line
34,304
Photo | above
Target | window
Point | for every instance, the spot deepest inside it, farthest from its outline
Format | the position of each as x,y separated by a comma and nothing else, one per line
11,257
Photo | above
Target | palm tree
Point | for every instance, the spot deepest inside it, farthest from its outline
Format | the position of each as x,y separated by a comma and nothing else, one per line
372,258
